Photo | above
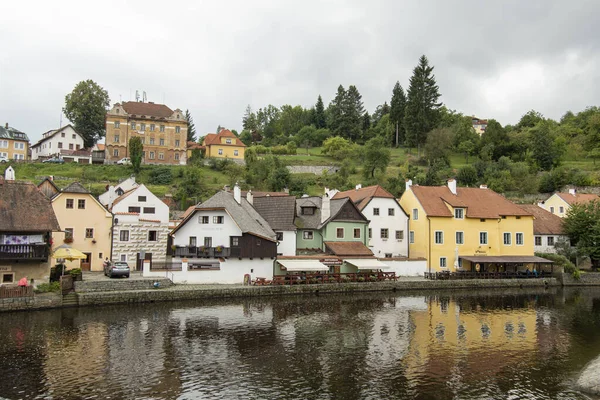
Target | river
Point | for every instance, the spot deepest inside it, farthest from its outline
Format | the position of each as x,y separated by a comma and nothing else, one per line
509,344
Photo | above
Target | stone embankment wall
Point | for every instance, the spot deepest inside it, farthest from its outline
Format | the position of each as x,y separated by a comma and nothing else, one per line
120,285
312,169
586,279
37,302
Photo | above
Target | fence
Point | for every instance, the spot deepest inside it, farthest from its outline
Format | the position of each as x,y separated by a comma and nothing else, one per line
9,292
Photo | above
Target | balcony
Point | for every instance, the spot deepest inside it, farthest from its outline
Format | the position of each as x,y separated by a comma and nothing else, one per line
206,252
24,252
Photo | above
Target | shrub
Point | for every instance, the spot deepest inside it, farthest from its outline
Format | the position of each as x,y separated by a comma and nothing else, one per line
47,287
161,176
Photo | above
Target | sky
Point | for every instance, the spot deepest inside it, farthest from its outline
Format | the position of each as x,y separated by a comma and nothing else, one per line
492,59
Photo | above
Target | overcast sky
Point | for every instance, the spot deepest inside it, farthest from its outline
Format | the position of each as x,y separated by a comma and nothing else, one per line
215,57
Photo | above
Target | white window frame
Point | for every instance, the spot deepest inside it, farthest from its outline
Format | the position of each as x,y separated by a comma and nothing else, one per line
535,240
411,237
548,241
459,213
517,239
387,233
123,258
128,235
220,152
415,214
509,238
486,238
443,262
308,235
376,211
236,153
462,236
399,236
435,237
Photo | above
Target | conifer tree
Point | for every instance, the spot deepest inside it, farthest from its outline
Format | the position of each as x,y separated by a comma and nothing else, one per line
397,109
353,113
319,119
191,130
335,111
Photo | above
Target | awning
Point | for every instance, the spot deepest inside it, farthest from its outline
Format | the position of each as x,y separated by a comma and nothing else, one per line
507,259
367,263
303,265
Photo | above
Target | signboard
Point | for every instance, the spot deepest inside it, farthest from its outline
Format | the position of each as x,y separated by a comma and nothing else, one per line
5,268
331,261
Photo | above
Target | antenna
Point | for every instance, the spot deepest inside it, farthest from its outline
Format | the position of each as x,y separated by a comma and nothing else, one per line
137,95
144,97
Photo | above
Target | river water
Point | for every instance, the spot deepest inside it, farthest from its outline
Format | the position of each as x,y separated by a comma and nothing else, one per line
510,344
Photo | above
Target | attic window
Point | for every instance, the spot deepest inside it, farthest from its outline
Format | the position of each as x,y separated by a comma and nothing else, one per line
482,220
117,111
308,210
518,217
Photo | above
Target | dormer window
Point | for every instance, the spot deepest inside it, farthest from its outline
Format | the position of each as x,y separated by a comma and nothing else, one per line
459,213
308,210
228,141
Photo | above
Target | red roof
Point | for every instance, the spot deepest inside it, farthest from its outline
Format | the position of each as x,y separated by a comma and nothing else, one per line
147,109
362,196
215,138
348,248
577,198
545,223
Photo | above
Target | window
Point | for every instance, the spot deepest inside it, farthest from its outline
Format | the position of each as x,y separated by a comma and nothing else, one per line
439,237
552,210
116,139
399,235
141,198
152,155
152,236
415,214
133,125
116,153
177,143
356,233
77,147
152,127
149,210
161,156
561,210
388,255
507,239
208,241
8,277
124,257
124,236
411,237
459,213
370,233
236,153
70,146
143,140
20,146
258,242
218,219
89,233
482,220
162,128
220,152
443,262
384,233
60,145
519,238
100,256
3,144
538,240
339,233
228,141
68,233
550,240
307,235
177,129
161,142
375,211
193,242
483,238
279,236
73,136
391,212
177,156
133,209
117,125
460,237
235,241
151,140
69,203
62,134
203,219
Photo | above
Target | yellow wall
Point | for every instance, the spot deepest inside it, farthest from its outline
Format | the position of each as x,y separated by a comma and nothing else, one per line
228,151
425,229
556,202
12,151
93,216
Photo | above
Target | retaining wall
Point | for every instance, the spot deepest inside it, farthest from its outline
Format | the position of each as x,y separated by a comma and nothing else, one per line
586,279
120,285
37,302
312,169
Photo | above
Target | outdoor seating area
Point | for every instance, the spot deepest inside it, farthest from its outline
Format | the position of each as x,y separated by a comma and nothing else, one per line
315,278
447,275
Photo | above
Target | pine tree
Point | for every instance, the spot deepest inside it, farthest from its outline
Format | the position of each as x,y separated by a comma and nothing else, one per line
398,105
366,124
422,108
335,111
319,116
353,112
191,131
249,122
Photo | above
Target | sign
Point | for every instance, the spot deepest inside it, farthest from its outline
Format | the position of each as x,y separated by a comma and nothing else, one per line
5,268
331,261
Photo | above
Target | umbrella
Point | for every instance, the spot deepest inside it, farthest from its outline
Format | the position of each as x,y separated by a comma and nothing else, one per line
68,253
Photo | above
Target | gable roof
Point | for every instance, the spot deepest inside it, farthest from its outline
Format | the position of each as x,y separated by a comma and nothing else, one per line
265,194
278,211
24,208
75,187
123,196
362,196
545,223
244,215
215,138
50,181
147,109
577,198
8,132
313,221
348,249
479,203
53,132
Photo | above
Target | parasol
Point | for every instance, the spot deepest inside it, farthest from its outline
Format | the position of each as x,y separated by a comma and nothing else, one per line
68,253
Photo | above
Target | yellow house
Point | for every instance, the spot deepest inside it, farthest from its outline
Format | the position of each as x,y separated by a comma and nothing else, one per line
223,145
86,226
559,203
467,229
14,144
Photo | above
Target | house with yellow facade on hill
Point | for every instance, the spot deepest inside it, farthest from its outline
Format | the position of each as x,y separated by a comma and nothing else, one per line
223,145
559,203
468,229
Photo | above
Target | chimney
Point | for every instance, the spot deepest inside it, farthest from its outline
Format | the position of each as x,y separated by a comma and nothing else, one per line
359,186
250,197
6,126
325,208
482,186
408,183
573,192
452,185
51,177
237,193
286,190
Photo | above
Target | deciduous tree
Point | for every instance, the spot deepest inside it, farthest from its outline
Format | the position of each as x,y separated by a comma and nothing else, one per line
135,153
376,156
86,108
582,225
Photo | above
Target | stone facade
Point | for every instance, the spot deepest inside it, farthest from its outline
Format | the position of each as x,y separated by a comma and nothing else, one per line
138,240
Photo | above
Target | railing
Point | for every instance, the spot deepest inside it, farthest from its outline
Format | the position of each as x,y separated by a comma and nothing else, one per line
320,278
165,266
9,292
206,252
23,252
447,275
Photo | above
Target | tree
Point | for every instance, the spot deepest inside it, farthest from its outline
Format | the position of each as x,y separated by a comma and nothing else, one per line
439,146
366,122
467,176
320,121
380,111
337,147
335,111
397,109
496,140
191,128
279,179
422,106
546,146
376,156
582,226
530,119
135,153
86,108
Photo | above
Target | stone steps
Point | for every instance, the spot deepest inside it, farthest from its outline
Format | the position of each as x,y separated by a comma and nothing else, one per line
70,300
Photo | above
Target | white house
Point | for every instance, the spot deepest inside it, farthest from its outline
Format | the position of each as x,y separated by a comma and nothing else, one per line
54,142
280,213
140,227
388,223
221,241
547,229
113,192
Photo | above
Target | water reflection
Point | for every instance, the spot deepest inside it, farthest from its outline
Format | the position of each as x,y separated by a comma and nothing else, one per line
508,344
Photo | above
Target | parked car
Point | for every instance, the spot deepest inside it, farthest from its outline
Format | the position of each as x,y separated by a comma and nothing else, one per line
54,160
124,161
119,268
3,159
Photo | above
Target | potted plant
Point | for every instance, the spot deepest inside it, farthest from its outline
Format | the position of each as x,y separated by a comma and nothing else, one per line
93,241
76,274
219,248
68,239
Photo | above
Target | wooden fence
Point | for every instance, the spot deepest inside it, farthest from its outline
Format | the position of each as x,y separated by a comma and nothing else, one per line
9,292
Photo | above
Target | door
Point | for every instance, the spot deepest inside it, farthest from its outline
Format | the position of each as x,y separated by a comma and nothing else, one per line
139,266
86,265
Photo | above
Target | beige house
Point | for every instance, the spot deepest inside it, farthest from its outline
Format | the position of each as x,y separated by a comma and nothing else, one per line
86,226
559,203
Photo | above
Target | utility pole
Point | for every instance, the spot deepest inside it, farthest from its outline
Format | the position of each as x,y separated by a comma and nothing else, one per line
396,133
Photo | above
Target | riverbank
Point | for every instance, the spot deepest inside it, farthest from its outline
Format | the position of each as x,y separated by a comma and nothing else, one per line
89,294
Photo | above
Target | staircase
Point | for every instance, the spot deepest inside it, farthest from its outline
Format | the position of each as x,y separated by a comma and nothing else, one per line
70,300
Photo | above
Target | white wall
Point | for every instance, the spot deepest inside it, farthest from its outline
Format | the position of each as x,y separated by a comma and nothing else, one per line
220,233
405,267
287,246
544,248
161,209
107,198
50,146
398,222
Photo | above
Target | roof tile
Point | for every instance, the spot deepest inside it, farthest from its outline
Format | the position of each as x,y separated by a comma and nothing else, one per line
348,249
24,208
545,223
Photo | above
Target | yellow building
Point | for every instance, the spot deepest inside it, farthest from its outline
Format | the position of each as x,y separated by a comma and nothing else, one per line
463,228
223,145
14,144
86,226
163,132
559,203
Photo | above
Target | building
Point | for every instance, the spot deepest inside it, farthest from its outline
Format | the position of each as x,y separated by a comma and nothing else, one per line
14,144
113,192
547,229
466,228
223,145
86,226
163,132
48,187
223,240
26,224
479,125
140,228
280,213
388,223
59,142
559,203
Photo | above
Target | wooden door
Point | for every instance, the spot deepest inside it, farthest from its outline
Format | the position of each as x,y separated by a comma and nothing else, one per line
86,265
139,266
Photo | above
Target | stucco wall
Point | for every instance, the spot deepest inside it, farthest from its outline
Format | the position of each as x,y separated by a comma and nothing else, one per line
138,240
405,267
231,271
397,222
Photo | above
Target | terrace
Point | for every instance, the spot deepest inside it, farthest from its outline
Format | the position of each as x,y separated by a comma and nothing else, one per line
27,252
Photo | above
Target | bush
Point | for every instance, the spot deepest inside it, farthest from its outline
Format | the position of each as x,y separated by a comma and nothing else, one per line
160,176
467,176
47,287
561,261
75,271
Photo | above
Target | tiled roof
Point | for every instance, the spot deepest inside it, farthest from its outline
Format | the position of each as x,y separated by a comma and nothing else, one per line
187,212
215,138
24,208
194,145
348,249
12,133
313,221
75,187
545,223
578,198
265,194
147,109
362,196
278,211
479,203
123,196
100,146
54,133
